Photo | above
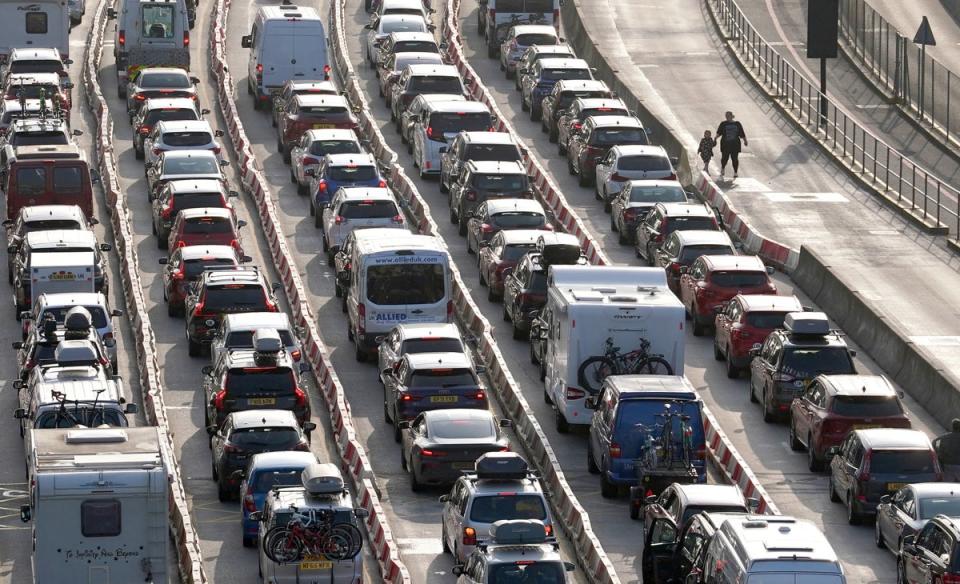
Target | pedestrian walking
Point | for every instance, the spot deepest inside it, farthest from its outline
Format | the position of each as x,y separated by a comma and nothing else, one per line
947,448
706,149
730,132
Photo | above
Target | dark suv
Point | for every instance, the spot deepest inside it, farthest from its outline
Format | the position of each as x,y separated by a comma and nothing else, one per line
224,292
476,146
563,94
664,219
792,356
483,180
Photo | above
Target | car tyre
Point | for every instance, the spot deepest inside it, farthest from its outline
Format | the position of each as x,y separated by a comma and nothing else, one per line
813,463
193,347
443,541
249,542
403,460
396,428
592,467
878,535
854,517
608,490
518,334
753,394
717,353
415,485
733,372
386,410
795,444
832,491
224,494
563,426
901,571
359,354
584,180
769,416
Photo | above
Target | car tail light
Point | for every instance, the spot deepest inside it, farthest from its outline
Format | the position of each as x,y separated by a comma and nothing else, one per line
675,267
432,453
615,451
156,151
658,238
177,275
300,396
469,533
382,184
326,72
362,318
577,125
406,397
471,195
168,210
218,399
271,305
235,244
322,186
302,446
575,393
198,309
479,396
671,177
103,361
216,149
230,448
397,219
140,97
248,503
556,18
617,177
186,39
30,364
783,377
340,220
122,38
486,228
295,354
449,310
950,578
144,130
865,471
309,160
630,213
548,529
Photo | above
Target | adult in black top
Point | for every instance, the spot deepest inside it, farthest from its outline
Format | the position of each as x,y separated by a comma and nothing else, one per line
729,133
947,448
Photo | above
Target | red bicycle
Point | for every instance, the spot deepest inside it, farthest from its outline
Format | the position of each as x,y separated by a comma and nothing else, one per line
312,533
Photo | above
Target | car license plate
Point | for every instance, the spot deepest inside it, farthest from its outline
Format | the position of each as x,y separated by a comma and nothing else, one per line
63,276
895,486
865,426
323,126
443,399
464,465
262,401
316,565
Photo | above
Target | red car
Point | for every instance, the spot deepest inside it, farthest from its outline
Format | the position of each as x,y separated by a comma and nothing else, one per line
293,88
746,321
501,255
311,111
185,266
205,226
713,280
832,406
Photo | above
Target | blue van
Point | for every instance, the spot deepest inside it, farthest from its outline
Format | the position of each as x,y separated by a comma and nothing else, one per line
625,408
264,472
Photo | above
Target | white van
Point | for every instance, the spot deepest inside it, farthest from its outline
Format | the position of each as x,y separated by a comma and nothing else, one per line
596,310
34,24
149,33
395,281
287,43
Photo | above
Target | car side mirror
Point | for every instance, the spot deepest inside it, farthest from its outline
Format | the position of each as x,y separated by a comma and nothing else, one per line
276,286
675,161
569,566
443,498
484,244
148,165
25,315
163,261
245,41
110,343
116,312
233,194
884,499
771,270
507,272
833,451
204,112
218,133
131,409
25,513
457,570
310,172
853,353
238,475
94,176
909,544
207,370
591,402
404,425
650,500
505,423
718,308
11,249
224,163
241,223
212,429
368,26
20,414
246,259
105,247
68,85
361,513
683,269
255,516
309,427
753,504
111,14
17,345
755,350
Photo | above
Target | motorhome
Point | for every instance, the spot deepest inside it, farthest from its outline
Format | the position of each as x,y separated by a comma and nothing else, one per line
34,24
98,506
596,311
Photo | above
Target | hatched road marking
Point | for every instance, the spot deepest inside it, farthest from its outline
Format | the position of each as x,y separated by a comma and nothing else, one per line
806,197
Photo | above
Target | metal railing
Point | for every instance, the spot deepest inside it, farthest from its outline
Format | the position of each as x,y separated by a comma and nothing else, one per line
916,80
877,163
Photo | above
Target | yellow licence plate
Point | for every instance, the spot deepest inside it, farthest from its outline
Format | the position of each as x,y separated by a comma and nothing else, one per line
443,399
262,401
895,486
464,465
323,126
312,565
865,426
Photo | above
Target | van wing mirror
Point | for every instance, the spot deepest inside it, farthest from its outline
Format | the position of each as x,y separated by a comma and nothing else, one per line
309,427
361,513
256,516
131,409
116,312
111,14
245,41
20,414
25,513
17,345
162,261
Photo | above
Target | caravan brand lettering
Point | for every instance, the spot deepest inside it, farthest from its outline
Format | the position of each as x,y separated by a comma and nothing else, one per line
29,8
100,553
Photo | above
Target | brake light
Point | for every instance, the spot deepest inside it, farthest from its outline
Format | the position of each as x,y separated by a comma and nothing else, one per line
575,393
198,309
950,578
432,453
186,39
168,210
397,219
122,38
259,69
407,397
382,184
701,453
362,317
108,337
618,177
469,534
675,267
322,186
471,195
271,305
556,18
340,220
230,448
671,177
177,275
295,354
144,130
480,396
577,125
486,228
216,149
301,397
309,160
156,152
235,244
548,529
248,503
615,451
326,72
430,132
218,399
865,471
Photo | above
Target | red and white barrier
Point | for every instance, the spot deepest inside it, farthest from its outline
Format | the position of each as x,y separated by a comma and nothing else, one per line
353,456
189,559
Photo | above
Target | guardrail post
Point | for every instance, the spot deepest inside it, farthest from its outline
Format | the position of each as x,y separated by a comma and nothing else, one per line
886,178
913,188
900,181
875,144
844,135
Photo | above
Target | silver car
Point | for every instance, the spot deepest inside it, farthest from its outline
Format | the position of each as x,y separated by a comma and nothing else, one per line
236,332
909,509
520,552
418,338
358,208
631,161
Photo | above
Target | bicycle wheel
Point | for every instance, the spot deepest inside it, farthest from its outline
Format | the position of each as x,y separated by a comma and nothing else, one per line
343,542
594,370
653,366
282,547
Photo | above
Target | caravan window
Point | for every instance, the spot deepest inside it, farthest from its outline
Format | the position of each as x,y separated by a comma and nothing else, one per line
542,6
36,22
100,518
158,21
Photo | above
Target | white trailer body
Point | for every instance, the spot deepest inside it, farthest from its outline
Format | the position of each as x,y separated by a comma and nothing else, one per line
34,24
55,273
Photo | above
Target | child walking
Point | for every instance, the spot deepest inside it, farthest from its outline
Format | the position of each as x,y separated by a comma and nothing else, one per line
706,148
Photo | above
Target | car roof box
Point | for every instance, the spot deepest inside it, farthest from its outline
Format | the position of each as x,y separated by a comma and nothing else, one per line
266,346
558,249
77,323
322,479
501,465
807,323
518,532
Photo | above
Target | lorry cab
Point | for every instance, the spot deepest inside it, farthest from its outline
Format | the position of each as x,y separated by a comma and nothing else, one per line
286,42
149,34
48,175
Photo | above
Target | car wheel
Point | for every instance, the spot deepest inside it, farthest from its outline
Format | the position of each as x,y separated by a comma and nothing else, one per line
443,540
396,428
698,328
506,313
733,372
608,490
769,416
832,490
518,334
443,186
901,571
386,409
293,176
224,494
813,463
462,230
470,250
172,311
592,467
403,460
584,178
318,221
563,426
878,534
493,296
453,216
138,153
543,375
571,169
753,393
717,353
613,224
795,444
280,147
854,517
533,355
523,104
415,485
213,465
249,542
193,347
561,149
359,354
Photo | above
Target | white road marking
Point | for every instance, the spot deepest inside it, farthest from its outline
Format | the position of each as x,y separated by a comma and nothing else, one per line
420,545
867,106
806,197
748,185
936,341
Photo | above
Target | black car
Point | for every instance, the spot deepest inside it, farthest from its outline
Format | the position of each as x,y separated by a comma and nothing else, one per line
483,180
475,146
250,432
562,95
224,292
669,556
539,327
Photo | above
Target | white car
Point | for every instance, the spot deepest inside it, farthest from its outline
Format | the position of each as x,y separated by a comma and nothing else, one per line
520,38
358,208
57,306
627,162
439,124
236,333
307,153
405,42
380,28
180,135
387,7
77,9
417,338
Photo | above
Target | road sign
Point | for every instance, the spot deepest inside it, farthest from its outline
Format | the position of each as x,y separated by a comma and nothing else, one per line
924,34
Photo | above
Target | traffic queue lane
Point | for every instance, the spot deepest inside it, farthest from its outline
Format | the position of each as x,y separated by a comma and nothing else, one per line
217,524
414,518
14,534
782,472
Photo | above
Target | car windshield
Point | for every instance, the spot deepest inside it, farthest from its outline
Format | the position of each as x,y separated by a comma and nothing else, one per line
422,378
901,462
97,313
692,252
353,173
568,97
248,297
647,164
392,285
437,84
525,40
164,80
405,25
198,165
36,66
187,138
475,429
500,183
535,573
766,320
505,505
83,414
244,339
197,201
873,406
158,21
615,136
691,224
930,507
204,224
369,210
325,112
814,577
737,279
324,147
515,251
431,345
274,438
416,47
170,115
644,194
266,480
538,282
453,122
195,267
808,362
49,224
564,73
244,381
53,138
508,152
517,220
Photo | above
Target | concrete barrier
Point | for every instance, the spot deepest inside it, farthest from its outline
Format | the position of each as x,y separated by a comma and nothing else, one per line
187,542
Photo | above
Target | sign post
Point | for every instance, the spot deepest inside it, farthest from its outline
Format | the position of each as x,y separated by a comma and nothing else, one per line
923,38
823,17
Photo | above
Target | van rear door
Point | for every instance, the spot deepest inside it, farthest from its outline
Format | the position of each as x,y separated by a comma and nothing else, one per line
160,25
406,286
309,50
277,53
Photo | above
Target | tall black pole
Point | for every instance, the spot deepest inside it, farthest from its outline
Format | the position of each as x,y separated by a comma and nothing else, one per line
823,93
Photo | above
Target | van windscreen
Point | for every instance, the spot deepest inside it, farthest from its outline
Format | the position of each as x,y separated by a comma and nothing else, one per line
158,21
396,284
244,381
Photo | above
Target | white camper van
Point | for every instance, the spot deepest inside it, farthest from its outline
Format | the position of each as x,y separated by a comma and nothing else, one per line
98,503
287,43
34,24
396,281
150,33
599,311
